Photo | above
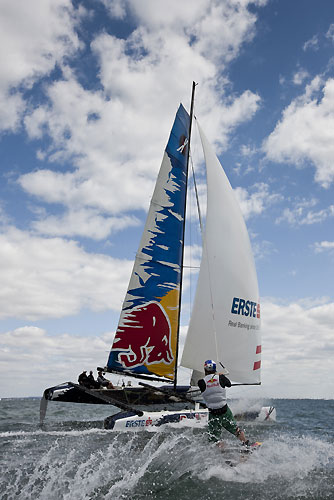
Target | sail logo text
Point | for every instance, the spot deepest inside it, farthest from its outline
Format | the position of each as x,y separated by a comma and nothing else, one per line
245,308
138,423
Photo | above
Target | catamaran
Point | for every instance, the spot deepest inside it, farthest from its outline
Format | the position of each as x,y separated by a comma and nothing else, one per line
225,319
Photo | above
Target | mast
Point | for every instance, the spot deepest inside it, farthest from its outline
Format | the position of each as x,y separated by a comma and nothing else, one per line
184,224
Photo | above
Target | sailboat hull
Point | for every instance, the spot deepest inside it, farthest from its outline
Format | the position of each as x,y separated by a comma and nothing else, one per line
152,421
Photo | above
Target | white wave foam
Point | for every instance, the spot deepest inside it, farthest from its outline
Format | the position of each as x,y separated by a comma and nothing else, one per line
287,458
81,465
52,433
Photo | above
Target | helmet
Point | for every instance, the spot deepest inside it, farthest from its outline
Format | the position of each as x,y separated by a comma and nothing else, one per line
210,366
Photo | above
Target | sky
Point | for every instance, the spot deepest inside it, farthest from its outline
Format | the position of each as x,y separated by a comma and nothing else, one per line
88,93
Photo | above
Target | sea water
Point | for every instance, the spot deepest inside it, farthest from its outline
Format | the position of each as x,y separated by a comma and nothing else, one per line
73,457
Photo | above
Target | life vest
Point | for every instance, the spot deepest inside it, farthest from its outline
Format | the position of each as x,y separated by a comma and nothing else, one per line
214,395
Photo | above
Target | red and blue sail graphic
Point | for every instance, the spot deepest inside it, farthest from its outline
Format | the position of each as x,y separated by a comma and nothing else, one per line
146,336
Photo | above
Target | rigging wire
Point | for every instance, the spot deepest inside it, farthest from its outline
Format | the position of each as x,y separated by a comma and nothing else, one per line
193,234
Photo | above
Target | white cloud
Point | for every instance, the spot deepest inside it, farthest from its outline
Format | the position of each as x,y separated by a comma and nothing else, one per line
248,151
216,29
302,213
116,8
52,278
222,30
11,108
46,360
34,37
300,76
323,246
330,32
256,202
219,120
282,80
297,347
157,14
83,222
140,66
305,132
115,136
312,44
262,249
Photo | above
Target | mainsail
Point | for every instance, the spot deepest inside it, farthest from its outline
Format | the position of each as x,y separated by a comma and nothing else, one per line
225,321
146,338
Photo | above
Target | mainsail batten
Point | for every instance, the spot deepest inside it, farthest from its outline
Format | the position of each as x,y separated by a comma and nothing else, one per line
145,341
228,283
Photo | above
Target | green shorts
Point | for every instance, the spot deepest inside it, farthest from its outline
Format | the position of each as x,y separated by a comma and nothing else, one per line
219,422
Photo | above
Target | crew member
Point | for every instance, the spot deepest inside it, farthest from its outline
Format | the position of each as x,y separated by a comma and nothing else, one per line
92,382
212,387
83,379
103,381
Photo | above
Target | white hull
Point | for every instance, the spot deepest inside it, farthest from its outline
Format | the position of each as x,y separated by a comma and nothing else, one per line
151,421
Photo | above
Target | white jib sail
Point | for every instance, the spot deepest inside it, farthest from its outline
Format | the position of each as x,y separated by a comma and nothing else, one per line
225,321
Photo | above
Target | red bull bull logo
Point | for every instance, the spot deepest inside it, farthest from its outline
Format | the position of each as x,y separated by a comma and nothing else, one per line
144,336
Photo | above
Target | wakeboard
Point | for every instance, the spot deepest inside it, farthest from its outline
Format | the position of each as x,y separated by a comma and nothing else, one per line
244,453
251,447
